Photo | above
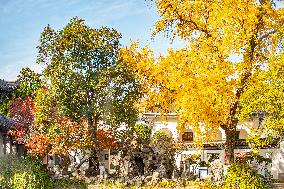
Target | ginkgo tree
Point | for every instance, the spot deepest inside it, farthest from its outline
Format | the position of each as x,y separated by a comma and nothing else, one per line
201,82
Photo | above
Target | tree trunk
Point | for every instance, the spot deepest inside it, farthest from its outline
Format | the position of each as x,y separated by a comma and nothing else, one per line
92,127
230,146
65,162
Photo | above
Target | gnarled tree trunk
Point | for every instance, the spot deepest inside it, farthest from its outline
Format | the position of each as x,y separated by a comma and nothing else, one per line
230,146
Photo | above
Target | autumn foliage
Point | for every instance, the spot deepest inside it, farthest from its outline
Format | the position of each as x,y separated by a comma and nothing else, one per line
74,105
22,112
230,68
52,134
204,82
106,138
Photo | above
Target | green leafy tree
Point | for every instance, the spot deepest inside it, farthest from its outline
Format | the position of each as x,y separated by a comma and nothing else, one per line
27,83
85,76
266,98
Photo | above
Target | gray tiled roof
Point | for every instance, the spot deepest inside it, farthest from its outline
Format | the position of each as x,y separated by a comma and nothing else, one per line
5,122
7,86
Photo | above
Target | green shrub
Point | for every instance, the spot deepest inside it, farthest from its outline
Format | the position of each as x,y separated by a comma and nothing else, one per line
23,173
143,131
68,183
242,176
163,183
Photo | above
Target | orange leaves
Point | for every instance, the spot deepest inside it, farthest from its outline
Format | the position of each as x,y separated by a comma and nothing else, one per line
106,139
19,134
43,129
38,144
59,137
66,135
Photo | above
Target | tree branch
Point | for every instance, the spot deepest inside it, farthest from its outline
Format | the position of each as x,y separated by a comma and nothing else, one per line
190,21
267,34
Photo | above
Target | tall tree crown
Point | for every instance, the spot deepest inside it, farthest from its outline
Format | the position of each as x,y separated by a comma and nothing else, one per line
204,84
86,76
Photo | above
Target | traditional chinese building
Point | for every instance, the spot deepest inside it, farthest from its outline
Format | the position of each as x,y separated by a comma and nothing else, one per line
216,148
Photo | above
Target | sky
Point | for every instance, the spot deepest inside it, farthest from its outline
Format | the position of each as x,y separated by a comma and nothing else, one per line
22,21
